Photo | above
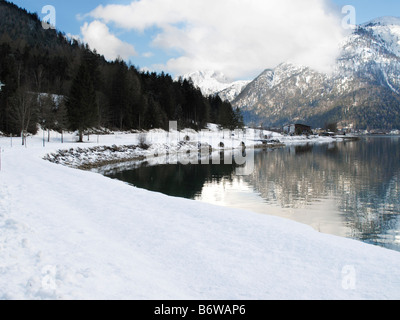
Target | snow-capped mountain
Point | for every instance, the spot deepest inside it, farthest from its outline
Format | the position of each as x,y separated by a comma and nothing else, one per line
235,88
363,90
212,83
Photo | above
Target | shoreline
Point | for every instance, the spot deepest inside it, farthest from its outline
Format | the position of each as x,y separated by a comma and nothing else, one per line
90,157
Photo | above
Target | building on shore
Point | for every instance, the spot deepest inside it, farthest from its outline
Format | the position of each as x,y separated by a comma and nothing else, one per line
297,129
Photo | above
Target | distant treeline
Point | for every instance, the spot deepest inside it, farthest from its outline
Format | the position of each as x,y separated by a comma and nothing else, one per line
61,84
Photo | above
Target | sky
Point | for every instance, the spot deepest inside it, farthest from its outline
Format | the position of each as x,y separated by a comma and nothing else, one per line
240,38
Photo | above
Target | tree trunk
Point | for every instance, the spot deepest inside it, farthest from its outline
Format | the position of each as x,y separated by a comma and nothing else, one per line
121,121
80,136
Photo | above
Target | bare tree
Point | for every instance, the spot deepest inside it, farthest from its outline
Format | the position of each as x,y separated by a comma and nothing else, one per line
61,119
39,76
47,112
22,109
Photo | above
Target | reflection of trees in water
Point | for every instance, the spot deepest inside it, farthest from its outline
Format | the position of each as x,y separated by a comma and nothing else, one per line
288,178
177,180
363,177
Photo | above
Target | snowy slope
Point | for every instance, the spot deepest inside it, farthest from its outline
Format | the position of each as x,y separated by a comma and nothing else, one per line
230,93
388,30
212,83
70,234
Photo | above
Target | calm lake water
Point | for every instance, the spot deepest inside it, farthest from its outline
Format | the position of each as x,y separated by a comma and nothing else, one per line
349,189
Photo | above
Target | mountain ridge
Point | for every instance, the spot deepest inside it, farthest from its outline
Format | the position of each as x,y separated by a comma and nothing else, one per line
363,90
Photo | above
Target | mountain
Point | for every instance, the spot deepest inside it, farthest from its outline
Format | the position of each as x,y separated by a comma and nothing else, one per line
216,83
363,91
233,90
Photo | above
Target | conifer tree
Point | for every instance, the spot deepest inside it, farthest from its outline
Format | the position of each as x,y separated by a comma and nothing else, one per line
238,119
47,112
82,106
119,95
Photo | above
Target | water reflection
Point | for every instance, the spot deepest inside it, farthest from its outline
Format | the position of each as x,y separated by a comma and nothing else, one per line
349,188
361,177
177,180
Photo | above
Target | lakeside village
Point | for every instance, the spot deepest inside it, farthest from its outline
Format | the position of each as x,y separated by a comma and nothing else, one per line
331,130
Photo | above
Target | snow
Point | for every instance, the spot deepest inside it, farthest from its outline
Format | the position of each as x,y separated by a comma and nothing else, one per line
210,82
73,234
386,29
161,143
214,82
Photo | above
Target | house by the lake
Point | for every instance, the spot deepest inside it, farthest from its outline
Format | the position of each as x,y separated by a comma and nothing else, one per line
297,129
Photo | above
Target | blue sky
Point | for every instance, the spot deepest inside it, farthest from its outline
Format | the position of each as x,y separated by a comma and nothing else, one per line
370,9
161,45
67,13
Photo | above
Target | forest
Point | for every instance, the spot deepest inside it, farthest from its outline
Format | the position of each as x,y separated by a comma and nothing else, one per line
57,83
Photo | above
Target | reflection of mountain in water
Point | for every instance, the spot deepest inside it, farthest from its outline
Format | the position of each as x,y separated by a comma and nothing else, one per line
363,177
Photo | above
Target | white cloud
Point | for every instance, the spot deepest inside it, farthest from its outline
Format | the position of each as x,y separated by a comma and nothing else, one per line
237,37
99,37
148,54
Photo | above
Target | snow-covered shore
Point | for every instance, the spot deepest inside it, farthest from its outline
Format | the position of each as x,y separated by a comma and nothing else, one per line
73,234
123,147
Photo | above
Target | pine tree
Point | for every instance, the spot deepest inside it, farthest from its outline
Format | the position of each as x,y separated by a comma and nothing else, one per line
226,116
119,95
238,119
134,94
155,117
47,109
82,106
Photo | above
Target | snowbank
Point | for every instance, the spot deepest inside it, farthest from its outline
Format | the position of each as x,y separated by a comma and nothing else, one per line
72,234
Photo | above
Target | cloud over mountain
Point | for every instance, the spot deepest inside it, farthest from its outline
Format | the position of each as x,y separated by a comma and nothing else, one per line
237,37
99,37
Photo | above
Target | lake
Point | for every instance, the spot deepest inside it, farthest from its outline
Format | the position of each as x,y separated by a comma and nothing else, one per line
349,189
